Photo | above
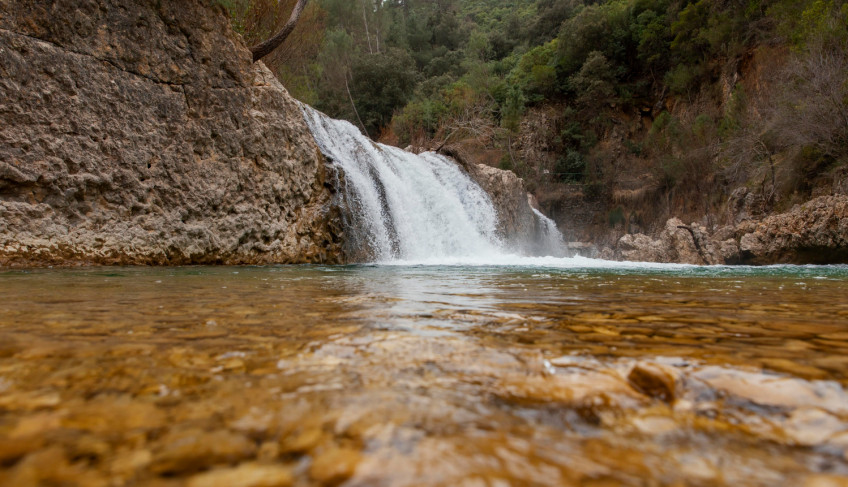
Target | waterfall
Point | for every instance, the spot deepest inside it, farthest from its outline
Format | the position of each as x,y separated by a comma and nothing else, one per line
401,206
550,241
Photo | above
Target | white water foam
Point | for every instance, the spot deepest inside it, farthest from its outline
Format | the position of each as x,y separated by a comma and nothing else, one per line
513,260
410,209
550,239
407,206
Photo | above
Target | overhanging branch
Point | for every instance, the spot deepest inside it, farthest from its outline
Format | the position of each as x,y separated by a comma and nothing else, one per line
263,49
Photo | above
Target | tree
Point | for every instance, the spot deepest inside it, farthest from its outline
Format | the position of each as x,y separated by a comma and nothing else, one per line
812,107
382,83
263,49
595,82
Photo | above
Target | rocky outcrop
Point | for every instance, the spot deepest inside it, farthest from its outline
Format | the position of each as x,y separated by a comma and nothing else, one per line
515,216
521,228
139,132
813,233
687,244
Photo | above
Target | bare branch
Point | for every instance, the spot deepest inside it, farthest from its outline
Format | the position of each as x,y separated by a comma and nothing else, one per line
475,121
263,49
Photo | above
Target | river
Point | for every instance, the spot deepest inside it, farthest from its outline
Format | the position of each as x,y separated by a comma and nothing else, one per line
553,372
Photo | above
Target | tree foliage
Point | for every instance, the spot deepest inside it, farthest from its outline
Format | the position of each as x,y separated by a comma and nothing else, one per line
424,70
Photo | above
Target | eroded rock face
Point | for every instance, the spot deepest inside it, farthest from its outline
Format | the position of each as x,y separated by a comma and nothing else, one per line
813,233
139,132
521,229
687,244
510,199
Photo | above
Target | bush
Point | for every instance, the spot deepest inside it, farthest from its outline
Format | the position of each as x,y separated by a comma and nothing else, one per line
571,167
382,83
595,82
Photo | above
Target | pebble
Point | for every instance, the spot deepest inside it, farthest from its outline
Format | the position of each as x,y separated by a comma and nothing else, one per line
335,465
244,475
654,380
194,449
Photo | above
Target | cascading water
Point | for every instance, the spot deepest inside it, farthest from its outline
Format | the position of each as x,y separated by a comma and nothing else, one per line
550,241
413,208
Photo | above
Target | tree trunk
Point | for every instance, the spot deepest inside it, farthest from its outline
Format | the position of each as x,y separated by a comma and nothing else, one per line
367,34
355,111
261,50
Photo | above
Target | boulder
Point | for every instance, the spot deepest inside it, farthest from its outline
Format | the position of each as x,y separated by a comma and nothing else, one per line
642,248
521,228
687,244
813,233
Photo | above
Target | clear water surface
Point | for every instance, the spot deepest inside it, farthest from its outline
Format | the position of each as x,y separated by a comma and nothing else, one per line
547,372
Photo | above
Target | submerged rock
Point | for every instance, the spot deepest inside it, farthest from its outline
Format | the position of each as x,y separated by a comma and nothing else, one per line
191,450
335,465
145,135
245,475
654,380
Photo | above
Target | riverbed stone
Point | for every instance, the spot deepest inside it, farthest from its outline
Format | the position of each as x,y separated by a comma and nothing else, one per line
775,391
825,480
127,463
110,413
13,449
813,426
244,475
654,380
334,465
190,450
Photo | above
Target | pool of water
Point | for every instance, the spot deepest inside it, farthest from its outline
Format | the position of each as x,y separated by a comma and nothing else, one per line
588,375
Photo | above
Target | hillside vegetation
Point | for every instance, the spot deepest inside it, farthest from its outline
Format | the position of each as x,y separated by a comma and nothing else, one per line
618,114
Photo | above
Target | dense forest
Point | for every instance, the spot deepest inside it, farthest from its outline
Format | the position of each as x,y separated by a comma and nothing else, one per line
616,113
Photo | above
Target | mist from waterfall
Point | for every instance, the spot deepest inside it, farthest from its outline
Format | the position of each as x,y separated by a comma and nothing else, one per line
403,207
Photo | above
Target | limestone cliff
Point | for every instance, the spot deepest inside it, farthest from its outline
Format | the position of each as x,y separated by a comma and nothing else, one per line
139,132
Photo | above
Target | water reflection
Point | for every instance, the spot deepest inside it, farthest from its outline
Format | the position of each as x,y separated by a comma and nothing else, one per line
392,375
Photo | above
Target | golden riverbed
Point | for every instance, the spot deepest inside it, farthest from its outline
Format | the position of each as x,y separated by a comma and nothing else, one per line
437,376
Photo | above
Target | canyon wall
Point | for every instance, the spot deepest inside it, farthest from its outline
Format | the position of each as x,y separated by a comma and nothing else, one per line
139,132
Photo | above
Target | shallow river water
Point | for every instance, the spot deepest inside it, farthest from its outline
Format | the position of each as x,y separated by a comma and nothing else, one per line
424,375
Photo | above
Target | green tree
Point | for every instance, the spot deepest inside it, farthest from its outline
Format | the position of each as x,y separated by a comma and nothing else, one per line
382,84
595,82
